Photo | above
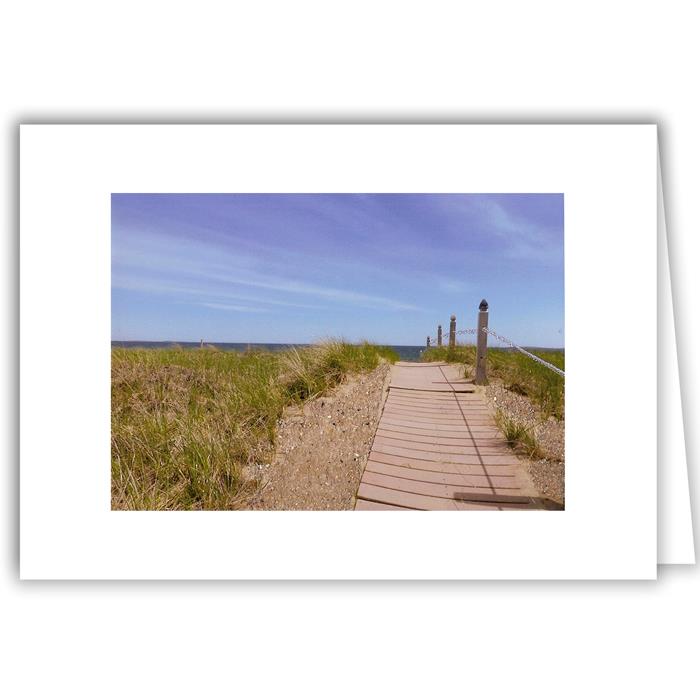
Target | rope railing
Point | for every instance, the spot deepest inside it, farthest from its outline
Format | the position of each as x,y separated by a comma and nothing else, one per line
482,332
503,339
434,342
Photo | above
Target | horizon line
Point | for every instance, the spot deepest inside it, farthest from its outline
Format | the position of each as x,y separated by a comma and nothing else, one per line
313,342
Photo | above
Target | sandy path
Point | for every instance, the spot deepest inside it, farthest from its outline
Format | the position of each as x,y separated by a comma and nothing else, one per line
322,448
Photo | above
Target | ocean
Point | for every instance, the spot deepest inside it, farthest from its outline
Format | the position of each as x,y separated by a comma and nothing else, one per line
406,352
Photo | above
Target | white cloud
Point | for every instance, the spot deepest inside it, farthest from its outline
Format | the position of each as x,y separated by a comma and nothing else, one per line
159,258
332,293
233,307
451,286
141,285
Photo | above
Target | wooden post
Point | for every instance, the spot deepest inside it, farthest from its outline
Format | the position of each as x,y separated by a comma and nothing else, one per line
481,336
201,343
453,331
427,342
439,336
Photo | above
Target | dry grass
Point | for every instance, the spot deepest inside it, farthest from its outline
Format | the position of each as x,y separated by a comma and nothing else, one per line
185,422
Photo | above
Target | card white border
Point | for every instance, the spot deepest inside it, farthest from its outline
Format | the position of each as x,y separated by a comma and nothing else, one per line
608,176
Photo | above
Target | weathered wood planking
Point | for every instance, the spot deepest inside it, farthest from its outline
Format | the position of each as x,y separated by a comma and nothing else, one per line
438,448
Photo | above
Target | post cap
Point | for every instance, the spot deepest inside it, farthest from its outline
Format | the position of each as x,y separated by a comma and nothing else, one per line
439,327
453,318
484,305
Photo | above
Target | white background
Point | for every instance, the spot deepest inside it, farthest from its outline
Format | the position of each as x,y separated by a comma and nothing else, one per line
507,62
68,174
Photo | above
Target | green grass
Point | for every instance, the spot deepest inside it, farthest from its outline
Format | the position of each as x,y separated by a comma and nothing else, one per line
518,373
310,372
185,422
460,353
518,436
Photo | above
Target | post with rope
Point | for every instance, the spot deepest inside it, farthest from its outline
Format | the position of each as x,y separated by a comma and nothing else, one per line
453,331
439,336
481,336
427,342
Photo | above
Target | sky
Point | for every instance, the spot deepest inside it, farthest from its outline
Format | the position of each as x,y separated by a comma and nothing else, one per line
296,268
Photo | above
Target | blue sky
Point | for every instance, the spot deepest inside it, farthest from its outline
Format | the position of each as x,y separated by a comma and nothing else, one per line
277,268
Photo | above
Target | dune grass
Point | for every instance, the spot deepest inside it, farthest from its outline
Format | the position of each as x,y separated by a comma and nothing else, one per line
518,373
518,436
185,422
311,371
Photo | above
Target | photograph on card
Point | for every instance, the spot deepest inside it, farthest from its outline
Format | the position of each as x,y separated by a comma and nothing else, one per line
337,351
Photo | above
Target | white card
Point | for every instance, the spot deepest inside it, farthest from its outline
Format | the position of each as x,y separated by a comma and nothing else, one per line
608,177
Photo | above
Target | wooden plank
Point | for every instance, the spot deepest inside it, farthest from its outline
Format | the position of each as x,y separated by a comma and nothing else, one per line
509,502
427,408
432,402
445,423
445,467
459,481
434,396
432,365
399,384
434,440
429,488
477,423
425,456
457,421
437,412
492,434
436,426
450,418
404,499
381,442
420,365
432,409
447,412
430,387
361,504
438,401
433,428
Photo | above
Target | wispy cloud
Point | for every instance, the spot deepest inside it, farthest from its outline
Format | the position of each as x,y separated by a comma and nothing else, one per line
138,284
522,239
233,307
511,235
334,294
451,286
213,271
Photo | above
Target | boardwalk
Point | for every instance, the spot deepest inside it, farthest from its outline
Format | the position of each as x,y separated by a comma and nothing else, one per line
438,448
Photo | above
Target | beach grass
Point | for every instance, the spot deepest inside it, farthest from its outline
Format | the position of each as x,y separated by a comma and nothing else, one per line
185,422
519,373
518,436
